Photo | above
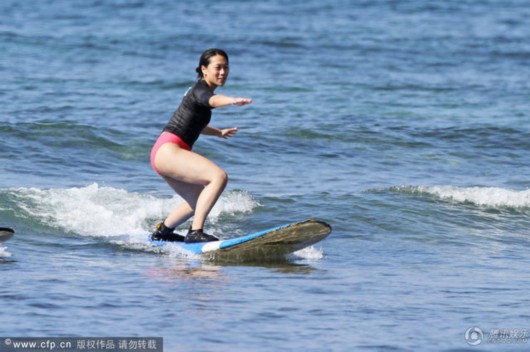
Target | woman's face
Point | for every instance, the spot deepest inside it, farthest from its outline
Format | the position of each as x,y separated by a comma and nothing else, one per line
216,73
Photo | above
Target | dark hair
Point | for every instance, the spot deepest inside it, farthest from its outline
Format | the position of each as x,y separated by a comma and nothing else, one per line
205,59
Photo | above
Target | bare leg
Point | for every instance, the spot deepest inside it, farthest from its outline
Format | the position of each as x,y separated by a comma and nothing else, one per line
208,198
196,179
190,193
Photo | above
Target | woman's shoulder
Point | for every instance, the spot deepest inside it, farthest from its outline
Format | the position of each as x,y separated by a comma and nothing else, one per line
200,92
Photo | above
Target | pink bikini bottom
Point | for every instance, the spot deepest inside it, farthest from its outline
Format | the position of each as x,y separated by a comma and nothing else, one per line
166,137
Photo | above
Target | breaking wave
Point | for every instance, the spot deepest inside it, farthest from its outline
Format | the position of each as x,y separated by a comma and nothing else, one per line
493,197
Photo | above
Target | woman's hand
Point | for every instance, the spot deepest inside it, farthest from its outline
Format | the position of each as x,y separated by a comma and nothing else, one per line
228,132
241,101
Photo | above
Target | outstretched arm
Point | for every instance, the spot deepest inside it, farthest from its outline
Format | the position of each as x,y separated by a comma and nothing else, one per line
219,101
222,133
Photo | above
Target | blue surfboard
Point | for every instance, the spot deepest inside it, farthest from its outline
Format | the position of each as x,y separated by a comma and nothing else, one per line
6,233
272,243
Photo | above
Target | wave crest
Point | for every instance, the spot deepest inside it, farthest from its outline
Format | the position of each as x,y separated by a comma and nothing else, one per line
481,196
106,211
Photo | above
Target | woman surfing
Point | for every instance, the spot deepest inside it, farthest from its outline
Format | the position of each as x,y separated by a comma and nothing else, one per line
193,177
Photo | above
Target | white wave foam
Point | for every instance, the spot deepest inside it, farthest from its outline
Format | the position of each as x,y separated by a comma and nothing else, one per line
482,196
310,253
110,212
4,253
121,217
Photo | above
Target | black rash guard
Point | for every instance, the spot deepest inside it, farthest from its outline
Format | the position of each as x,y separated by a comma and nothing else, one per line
193,114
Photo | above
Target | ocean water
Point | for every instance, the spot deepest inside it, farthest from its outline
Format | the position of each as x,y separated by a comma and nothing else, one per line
404,124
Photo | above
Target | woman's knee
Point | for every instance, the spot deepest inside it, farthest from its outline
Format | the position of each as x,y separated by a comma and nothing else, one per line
216,175
221,176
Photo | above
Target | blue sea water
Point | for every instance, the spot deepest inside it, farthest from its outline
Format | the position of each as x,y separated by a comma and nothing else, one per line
404,124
